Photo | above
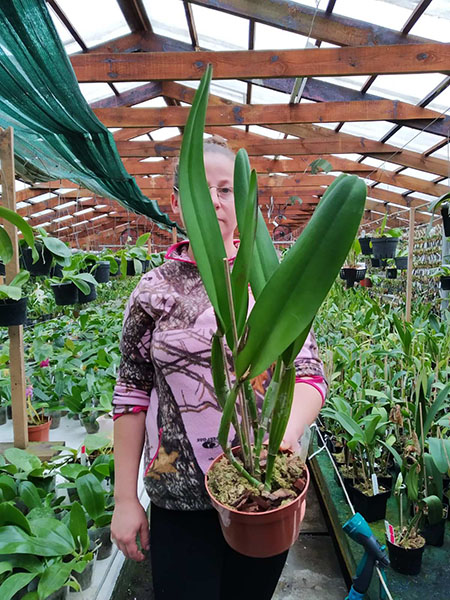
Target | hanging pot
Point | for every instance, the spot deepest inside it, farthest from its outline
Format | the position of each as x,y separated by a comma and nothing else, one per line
391,273
39,433
145,264
101,272
407,561
352,274
65,293
384,247
401,262
3,415
364,242
2,270
83,298
264,534
13,312
372,508
42,265
56,271
445,282
446,219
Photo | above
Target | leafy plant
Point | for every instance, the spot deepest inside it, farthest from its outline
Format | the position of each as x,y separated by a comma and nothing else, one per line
276,329
13,290
81,280
6,248
381,231
137,254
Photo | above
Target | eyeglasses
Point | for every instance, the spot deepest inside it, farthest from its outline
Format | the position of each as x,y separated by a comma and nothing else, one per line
223,193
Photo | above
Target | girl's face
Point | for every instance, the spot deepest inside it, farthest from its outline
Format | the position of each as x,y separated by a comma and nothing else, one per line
219,170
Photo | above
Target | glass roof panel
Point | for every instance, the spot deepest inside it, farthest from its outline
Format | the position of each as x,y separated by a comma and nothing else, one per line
86,16
409,88
269,38
168,18
262,95
95,91
217,30
432,26
165,133
372,130
70,45
379,164
354,82
266,132
411,139
422,196
386,13
232,89
392,188
153,103
419,174
443,152
441,102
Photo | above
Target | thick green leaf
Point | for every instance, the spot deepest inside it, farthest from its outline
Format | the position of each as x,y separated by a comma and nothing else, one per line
57,247
20,279
22,459
19,222
440,452
265,258
435,408
242,263
10,291
29,494
14,540
14,583
6,249
142,239
199,215
434,509
54,532
53,578
10,515
91,494
72,471
78,526
8,487
296,290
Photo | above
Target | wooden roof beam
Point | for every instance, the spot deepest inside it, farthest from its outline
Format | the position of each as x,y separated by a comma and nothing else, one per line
135,15
316,62
263,114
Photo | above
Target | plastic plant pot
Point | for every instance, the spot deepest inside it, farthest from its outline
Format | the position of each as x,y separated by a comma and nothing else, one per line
384,247
85,577
39,433
446,219
13,312
405,561
42,266
3,415
364,242
83,298
351,275
434,534
372,508
56,419
65,293
391,273
90,426
102,535
445,282
264,534
401,262
101,272
56,271
145,264
2,269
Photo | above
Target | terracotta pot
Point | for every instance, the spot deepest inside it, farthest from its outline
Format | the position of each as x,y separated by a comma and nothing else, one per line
39,433
260,535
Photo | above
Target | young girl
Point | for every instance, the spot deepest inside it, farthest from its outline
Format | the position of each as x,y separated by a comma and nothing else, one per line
165,397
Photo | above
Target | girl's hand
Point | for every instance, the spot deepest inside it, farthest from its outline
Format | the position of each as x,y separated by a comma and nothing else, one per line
290,443
129,521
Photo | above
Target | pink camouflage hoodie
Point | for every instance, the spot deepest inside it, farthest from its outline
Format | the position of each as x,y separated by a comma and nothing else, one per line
165,370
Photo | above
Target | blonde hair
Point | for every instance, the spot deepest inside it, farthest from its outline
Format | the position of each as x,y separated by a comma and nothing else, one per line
214,144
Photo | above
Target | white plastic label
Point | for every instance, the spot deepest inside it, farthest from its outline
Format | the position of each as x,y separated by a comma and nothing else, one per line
375,485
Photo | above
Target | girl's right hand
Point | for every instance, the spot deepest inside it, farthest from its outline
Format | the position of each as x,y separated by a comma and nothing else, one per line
129,521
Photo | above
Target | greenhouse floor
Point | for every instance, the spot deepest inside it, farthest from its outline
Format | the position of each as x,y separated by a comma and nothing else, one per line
312,569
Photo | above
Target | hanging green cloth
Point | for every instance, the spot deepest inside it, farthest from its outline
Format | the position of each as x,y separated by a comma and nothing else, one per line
57,136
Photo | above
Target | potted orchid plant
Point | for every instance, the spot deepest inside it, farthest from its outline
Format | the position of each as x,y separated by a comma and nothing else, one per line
287,296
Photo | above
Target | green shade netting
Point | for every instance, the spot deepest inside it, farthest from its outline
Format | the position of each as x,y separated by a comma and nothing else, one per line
56,134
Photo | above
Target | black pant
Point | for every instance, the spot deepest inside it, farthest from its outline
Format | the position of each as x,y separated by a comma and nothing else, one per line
191,560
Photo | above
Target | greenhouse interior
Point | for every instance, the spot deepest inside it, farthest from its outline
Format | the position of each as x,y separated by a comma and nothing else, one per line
163,165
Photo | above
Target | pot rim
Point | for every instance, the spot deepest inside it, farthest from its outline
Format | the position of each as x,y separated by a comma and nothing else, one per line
260,514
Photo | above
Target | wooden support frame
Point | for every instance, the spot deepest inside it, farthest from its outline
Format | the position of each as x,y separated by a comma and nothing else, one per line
16,355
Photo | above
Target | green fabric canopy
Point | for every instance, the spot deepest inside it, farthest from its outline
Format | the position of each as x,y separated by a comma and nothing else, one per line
56,134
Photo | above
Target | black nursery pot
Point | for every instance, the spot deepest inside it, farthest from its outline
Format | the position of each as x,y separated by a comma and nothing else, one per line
13,312
41,266
372,508
56,271
101,272
364,242
83,298
384,247
391,273
2,269
401,262
65,293
446,219
445,282
102,535
351,275
434,534
117,273
405,561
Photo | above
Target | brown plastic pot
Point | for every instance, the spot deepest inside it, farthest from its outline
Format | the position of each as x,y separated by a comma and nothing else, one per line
39,433
260,535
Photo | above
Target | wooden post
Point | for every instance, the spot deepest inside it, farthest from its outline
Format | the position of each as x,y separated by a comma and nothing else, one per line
149,244
16,358
174,235
410,263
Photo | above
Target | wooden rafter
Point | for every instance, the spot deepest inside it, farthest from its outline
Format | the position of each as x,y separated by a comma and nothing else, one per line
316,62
